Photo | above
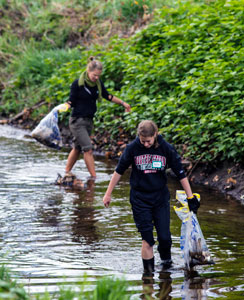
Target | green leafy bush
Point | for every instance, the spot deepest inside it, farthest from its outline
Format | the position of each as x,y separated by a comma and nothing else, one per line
10,289
109,288
184,71
132,10
32,70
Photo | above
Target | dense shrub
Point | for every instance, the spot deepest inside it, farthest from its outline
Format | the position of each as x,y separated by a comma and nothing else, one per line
184,71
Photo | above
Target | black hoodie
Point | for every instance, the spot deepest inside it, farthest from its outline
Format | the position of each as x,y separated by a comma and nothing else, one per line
149,165
83,99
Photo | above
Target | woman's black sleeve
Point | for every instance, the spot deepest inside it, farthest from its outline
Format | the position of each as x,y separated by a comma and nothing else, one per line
105,93
174,162
125,161
73,93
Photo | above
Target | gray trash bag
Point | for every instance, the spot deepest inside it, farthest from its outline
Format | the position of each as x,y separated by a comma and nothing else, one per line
192,242
47,131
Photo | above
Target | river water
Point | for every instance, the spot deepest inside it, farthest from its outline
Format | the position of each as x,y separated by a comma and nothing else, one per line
50,235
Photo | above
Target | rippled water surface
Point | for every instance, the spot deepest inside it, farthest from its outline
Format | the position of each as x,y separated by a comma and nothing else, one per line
50,235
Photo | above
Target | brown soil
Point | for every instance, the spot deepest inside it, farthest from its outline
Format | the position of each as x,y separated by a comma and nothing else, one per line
227,178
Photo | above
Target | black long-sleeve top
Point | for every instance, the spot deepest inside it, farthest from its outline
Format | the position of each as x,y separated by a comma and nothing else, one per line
149,164
83,99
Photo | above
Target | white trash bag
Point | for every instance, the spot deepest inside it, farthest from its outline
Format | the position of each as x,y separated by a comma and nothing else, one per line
192,242
47,131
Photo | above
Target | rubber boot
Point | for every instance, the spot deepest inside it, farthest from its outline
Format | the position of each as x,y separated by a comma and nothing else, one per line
165,255
148,265
166,263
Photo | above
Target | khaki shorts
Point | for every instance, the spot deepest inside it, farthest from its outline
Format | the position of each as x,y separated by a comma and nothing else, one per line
81,128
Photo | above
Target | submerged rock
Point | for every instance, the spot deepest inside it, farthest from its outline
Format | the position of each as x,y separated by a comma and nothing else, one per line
70,180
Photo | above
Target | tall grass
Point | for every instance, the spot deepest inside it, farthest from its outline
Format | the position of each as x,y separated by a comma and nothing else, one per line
107,288
29,72
36,38
10,289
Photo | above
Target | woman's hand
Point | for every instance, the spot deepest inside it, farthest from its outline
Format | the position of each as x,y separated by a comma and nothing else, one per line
63,107
106,200
114,180
119,101
127,107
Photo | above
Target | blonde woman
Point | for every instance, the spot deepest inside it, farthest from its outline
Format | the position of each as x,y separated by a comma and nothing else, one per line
84,94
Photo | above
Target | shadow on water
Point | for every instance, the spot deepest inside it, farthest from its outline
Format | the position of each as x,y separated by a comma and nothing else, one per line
51,235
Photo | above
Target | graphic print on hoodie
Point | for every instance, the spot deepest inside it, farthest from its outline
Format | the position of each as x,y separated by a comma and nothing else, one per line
149,164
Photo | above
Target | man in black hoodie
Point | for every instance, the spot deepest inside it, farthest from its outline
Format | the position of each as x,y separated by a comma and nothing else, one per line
149,155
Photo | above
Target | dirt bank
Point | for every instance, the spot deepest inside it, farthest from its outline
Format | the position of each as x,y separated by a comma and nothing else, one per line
228,178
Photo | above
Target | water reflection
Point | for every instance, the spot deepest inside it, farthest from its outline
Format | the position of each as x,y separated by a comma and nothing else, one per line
164,290
165,285
194,286
147,287
84,221
50,211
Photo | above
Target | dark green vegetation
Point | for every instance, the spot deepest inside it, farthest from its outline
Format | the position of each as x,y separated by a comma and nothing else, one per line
106,288
184,71
10,289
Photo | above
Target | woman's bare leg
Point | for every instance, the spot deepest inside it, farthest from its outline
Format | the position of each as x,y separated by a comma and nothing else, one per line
146,250
90,164
72,158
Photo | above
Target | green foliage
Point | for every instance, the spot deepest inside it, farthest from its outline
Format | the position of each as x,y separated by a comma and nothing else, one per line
184,71
9,289
35,39
132,10
108,288
31,73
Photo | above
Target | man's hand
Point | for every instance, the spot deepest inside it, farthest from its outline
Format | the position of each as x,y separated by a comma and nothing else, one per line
193,203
